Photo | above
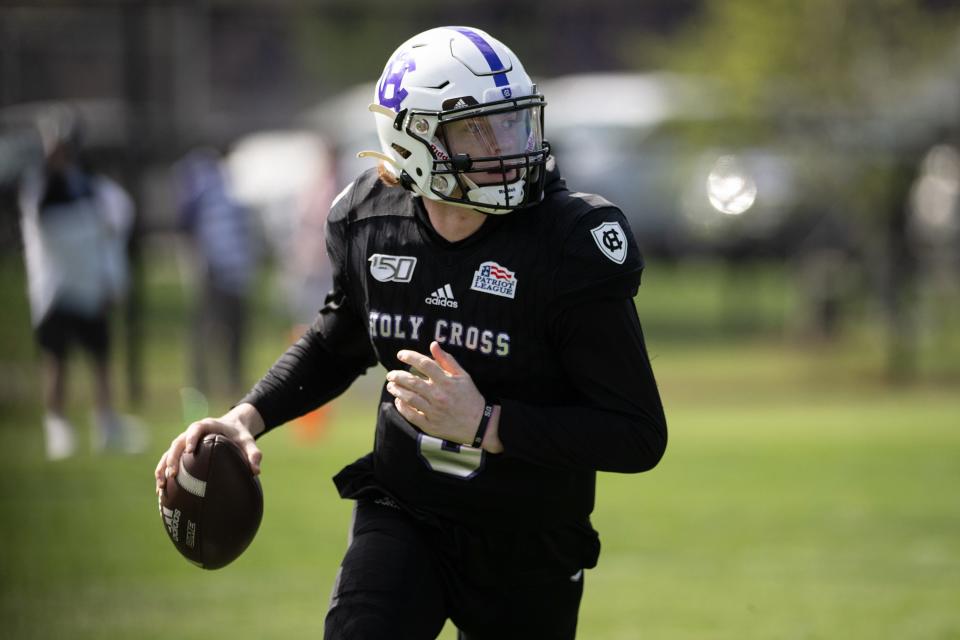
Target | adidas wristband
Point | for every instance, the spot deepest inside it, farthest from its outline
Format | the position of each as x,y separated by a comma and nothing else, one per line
484,421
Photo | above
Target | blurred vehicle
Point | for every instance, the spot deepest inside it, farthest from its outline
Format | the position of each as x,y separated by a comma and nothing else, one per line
690,178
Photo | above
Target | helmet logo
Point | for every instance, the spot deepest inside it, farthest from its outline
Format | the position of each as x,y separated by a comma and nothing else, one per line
506,92
389,91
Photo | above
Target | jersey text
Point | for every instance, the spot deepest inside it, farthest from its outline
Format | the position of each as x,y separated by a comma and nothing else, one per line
446,332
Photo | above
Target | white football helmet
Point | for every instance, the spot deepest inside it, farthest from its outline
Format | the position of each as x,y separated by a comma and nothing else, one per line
460,121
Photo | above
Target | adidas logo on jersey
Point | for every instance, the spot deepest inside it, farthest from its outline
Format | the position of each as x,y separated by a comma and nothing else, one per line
442,297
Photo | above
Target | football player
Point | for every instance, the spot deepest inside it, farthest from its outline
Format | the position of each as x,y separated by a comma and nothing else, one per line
501,306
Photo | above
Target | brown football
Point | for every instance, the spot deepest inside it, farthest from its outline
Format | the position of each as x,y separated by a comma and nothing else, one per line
212,508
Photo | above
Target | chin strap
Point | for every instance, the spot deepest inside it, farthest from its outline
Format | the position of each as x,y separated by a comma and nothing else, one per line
488,195
381,110
379,156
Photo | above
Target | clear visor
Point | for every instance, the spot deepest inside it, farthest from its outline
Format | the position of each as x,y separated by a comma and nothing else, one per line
512,133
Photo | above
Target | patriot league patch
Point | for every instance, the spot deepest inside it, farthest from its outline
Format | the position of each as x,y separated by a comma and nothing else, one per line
490,277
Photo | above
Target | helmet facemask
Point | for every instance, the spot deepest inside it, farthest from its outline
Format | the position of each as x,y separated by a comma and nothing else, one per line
489,157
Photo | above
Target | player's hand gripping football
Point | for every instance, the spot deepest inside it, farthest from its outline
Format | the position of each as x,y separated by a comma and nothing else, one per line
240,424
444,402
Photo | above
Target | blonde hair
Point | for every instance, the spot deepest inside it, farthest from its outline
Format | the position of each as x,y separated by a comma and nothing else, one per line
386,177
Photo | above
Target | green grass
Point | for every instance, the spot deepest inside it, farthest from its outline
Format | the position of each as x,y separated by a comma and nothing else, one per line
802,495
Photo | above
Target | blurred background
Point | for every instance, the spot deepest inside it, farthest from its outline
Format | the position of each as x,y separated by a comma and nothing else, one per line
791,171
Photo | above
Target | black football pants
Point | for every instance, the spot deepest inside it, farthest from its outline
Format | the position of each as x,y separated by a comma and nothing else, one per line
399,581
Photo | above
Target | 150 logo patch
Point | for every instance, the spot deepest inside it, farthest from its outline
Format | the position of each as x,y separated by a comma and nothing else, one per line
386,268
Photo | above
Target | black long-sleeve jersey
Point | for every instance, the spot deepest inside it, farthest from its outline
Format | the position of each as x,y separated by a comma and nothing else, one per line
537,306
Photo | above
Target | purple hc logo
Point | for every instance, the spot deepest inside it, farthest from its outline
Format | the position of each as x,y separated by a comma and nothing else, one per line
389,91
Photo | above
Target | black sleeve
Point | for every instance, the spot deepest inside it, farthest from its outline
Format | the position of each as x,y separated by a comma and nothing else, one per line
618,423
599,259
330,355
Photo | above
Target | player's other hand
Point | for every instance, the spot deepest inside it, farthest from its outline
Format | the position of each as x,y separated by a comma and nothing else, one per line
240,424
445,402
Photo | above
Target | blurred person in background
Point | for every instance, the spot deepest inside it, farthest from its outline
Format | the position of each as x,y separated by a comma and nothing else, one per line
75,225
286,178
310,276
223,250
501,306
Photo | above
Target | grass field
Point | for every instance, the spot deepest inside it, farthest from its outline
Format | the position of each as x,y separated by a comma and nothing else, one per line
802,495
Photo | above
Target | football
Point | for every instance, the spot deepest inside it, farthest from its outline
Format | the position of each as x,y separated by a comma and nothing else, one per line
212,508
